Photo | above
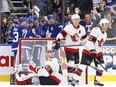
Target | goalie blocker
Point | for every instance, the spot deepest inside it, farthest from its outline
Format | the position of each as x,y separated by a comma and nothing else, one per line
44,75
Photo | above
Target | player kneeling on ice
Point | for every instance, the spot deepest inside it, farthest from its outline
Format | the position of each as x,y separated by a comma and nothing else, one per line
49,73
93,51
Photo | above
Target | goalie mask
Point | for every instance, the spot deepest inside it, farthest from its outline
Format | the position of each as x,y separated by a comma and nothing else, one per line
49,54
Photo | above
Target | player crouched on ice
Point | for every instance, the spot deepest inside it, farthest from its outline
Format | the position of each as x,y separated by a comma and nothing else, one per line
43,75
49,73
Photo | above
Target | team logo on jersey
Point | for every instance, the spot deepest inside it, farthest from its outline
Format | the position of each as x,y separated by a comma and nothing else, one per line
75,37
101,42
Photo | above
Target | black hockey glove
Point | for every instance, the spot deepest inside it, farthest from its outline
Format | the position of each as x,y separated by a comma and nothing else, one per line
57,44
93,54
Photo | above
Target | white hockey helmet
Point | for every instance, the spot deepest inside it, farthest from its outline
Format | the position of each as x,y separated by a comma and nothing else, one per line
75,16
50,51
103,21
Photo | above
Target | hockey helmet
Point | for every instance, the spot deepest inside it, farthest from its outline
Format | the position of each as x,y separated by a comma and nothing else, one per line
75,16
50,16
21,19
29,20
50,51
103,21
35,18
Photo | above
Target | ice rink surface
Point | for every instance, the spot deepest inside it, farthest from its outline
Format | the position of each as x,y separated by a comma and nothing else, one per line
106,84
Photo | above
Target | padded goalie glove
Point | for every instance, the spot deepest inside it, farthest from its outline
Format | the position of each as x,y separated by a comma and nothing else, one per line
93,54
33,68
57,44
75,37
24,78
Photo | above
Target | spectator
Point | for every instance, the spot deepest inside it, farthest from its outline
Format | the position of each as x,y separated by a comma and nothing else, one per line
71,5
85,7
101,9
40,5
56,9
95,15
112,31
88,23
3,28
96,2
110,3
5,7
113,11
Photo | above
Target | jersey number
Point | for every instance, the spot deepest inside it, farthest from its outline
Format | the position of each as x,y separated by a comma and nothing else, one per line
16,35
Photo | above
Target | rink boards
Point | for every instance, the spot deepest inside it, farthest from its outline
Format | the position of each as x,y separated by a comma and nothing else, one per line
109,50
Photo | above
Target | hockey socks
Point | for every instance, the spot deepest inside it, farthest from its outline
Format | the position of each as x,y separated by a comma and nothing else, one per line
98,77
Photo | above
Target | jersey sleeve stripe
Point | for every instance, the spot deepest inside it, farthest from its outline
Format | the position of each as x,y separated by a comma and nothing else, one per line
64,33
84,36
92,38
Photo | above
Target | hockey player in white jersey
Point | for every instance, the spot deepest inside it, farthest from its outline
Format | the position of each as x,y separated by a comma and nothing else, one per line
93,51
74,34
49,73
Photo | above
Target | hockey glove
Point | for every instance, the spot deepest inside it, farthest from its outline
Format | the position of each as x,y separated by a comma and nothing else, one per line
57,44
93,54
75,37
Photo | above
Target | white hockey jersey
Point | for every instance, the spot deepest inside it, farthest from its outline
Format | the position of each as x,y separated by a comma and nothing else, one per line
51,70
96,40
70,30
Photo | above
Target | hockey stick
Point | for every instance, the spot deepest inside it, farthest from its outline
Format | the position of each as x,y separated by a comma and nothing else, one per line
86,47
70,45
101,64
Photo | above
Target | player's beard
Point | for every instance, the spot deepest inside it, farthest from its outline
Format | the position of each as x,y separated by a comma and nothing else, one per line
76,24
105,28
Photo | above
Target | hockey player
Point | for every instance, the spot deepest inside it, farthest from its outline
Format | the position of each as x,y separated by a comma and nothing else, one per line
51,28
93,51
49,73
30,30
18,32
74,34
36,21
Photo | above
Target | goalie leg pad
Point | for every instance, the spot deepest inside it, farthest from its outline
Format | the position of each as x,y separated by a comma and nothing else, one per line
25,82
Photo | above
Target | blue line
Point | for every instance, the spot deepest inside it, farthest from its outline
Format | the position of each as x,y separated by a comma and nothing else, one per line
109,45
5,44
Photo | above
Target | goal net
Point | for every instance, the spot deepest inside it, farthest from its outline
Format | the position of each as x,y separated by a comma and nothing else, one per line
34,49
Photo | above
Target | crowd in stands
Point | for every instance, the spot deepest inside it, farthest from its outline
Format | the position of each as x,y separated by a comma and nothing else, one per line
49,21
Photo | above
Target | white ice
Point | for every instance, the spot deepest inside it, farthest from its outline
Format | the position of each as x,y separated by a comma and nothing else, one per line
106,84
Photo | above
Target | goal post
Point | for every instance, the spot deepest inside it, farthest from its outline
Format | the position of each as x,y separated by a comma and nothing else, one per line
35,49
